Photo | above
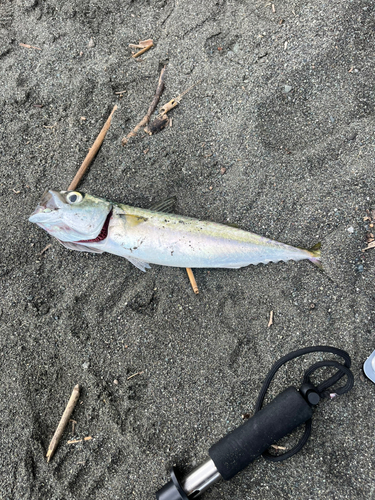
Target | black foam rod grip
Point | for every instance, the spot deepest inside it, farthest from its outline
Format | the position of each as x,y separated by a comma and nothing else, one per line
237,450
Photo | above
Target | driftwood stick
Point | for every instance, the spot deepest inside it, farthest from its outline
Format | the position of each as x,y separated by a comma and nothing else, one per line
151,109
91,154
63,422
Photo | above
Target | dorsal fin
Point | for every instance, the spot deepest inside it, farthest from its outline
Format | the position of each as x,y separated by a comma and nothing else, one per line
166,205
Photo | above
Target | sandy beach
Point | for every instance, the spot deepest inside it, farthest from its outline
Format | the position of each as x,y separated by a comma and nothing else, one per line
277,137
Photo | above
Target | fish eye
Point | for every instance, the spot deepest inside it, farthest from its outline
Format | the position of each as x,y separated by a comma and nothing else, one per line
74,197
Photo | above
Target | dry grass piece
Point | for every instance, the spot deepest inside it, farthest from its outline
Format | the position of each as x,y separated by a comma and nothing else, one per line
134,375
45,249
63,422
29,46
91,154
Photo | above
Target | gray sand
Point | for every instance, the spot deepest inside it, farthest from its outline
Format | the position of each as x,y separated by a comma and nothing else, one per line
287,108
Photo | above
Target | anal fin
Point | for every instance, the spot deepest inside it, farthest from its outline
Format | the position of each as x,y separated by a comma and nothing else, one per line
140,264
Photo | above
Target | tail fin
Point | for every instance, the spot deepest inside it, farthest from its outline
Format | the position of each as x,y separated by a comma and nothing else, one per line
315,255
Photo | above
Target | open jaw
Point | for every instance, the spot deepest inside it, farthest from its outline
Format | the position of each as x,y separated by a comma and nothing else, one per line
103,233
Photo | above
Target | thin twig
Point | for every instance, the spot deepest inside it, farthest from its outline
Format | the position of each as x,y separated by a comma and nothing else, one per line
63,422
134,375
91,154
192,280
151,109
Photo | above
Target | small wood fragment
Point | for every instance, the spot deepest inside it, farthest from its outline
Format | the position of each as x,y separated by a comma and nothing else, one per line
369,246
91,154
141,44
63,422
73,425
168,106
29,46
192,280
174,102
157,125
75,441
145,45
270,322
134,375
150,110
162,120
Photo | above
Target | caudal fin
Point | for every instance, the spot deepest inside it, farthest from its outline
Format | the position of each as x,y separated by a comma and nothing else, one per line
315,255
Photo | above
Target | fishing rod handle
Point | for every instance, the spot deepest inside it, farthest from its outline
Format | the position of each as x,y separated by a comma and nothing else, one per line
238,449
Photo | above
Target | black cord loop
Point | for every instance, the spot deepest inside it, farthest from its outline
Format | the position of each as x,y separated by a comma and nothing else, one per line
322,389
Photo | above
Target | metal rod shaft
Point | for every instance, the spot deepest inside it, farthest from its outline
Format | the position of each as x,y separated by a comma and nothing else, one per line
200,479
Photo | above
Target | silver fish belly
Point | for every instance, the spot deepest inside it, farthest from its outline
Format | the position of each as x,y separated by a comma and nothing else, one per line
146,237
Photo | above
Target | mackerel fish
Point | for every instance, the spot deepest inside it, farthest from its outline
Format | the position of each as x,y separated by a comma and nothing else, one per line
90,224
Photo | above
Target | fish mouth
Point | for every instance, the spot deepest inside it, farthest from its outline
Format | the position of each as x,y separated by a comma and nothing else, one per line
103,233
51,201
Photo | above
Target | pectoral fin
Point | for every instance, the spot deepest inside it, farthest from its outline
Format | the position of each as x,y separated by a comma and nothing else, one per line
140,264
78,246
